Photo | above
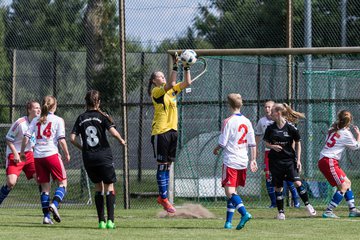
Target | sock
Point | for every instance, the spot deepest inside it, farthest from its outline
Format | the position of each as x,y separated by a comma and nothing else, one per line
238,204
293,191
271,192
45,201
58,196
161,180
4,192
167,178
303,194
99,202
230,209
110,205
336,199
350,199
280,201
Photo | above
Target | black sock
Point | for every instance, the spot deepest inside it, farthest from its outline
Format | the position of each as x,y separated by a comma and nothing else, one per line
110,202
280,201
99,202
303,194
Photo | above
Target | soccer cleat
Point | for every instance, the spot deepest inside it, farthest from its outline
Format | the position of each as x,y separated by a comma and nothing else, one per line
244,219
329,214
281,216
53,209
354,213
47,220
166,205
228,225
310,210
110,224
102,225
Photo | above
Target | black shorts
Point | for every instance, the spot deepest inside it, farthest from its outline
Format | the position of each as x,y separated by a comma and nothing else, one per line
102,173
283,170
164,146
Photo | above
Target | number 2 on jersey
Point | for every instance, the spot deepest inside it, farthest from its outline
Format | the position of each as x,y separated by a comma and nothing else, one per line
245,131
331,139
46,133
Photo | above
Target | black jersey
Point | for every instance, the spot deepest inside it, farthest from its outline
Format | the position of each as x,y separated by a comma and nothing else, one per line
92,126
283,137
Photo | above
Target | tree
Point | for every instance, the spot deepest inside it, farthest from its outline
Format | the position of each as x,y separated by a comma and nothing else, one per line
45,24
4,70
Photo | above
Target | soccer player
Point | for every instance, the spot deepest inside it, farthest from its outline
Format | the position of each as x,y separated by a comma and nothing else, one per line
164,126
284,161
49,130
338,138
97,156
14,137
237,135
259,132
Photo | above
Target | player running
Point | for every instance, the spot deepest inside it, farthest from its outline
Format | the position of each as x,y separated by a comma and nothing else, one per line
237,135
338,139
14,137
284,161
49,130
96,152
259,132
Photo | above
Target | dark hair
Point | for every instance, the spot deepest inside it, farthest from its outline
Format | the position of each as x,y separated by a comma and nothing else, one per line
344,119
47,104
29,105
152,77
92,99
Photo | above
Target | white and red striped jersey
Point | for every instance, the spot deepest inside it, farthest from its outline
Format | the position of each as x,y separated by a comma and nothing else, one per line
336,142
261,126
237,134
16,134
47,135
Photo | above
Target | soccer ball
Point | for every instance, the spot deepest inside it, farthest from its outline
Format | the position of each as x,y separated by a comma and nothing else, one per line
188,57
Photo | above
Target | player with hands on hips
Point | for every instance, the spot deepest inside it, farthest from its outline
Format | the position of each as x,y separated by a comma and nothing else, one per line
284,161
165,125
49,130
92,126
237,136
259,133
339,138
14,166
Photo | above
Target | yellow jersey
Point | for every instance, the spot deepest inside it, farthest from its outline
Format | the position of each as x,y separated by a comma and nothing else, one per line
165,109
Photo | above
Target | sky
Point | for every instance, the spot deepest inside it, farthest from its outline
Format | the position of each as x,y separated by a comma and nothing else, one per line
155,20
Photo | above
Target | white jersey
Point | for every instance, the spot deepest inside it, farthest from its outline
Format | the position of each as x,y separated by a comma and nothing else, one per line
336,143
237,134
261,126
46,135
16,134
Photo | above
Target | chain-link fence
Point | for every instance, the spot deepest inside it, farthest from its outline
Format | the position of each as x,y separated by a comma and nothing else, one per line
64,48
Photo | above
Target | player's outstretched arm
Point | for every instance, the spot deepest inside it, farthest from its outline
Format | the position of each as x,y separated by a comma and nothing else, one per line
187,78
117,135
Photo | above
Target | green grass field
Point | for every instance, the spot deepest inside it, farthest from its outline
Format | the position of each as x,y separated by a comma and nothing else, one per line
79,224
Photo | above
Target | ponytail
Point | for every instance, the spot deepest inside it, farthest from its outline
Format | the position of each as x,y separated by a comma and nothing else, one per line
48,103
288,113
150,83
92,99
344,119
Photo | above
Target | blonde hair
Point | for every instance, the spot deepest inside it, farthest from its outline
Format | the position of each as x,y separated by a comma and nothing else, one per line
344,119
48,103
235,100
288,113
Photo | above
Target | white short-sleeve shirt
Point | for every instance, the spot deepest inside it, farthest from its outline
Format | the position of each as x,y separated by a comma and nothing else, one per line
16,134
47,135
336,142
237,135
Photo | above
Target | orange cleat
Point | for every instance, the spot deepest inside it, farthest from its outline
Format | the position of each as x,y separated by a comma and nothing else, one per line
166,205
